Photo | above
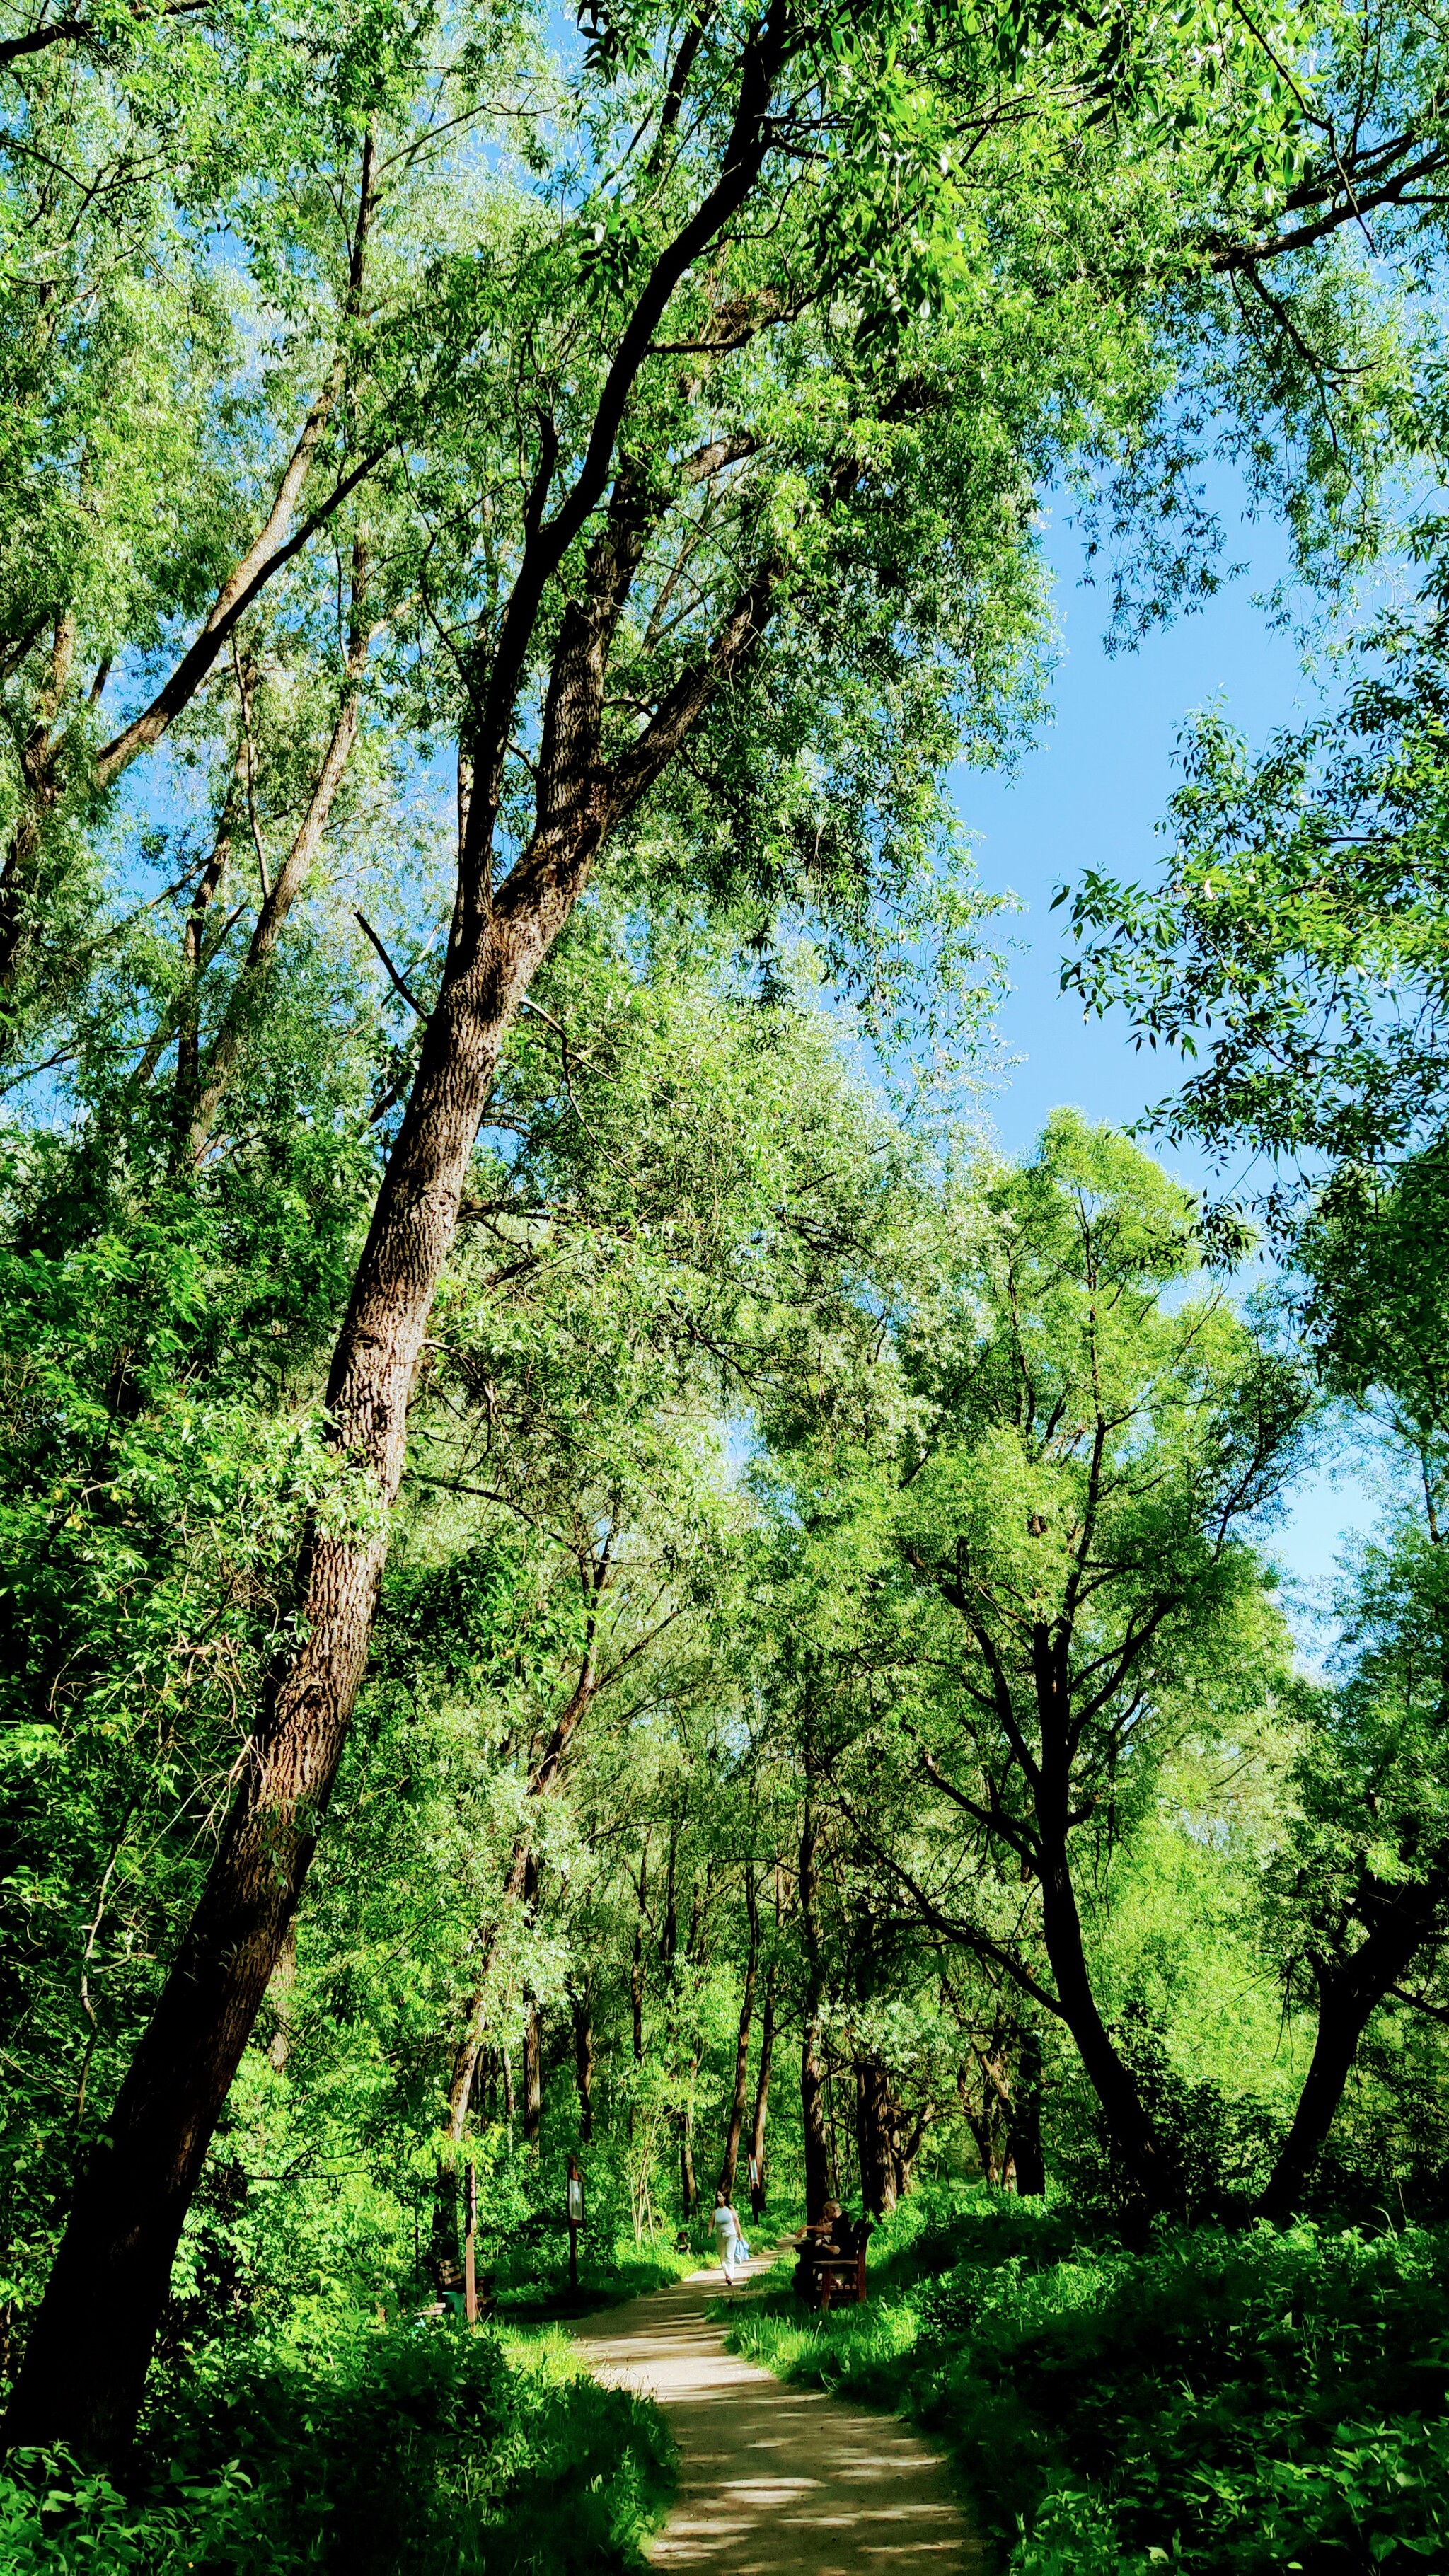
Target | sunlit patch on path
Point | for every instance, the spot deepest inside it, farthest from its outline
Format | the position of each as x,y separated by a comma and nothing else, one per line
772,2477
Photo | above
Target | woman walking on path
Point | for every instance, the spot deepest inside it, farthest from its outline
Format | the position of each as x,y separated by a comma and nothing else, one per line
726,2236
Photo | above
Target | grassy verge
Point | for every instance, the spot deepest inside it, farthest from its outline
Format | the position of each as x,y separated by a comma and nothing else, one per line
1221,2404
413,2451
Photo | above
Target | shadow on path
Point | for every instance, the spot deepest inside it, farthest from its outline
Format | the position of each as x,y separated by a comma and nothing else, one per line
773,2477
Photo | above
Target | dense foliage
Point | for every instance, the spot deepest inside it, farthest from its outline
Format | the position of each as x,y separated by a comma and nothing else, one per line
1215,2402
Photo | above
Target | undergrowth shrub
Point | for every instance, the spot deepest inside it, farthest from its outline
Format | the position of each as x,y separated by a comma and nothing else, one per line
423,2451
1221,2403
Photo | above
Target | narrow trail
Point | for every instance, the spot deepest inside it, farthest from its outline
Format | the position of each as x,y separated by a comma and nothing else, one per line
774,2477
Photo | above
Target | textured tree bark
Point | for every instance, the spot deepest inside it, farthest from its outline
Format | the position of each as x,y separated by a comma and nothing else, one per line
873,2136
984,2122
636,1971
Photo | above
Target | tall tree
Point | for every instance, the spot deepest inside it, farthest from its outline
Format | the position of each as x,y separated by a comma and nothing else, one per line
751,510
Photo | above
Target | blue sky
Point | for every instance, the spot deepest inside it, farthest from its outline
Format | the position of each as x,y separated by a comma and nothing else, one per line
1091,794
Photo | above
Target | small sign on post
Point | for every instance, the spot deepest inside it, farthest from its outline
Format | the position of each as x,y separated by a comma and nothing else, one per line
470,2234
576,2218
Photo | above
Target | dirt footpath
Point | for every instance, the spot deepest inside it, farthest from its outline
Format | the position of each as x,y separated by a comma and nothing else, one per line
774,2477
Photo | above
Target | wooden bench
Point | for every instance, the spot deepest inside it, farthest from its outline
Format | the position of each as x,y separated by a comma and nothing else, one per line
448,2281
834,2275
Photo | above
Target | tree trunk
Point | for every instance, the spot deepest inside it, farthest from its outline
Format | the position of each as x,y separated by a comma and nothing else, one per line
812,2125
584,2064
984,2125
207,1092
506,2058
873,2136
740,2097
1130,2128
532,2076
762,2090
1024,2145
812,2090
279,1993
90,2345
1403,1918
688,2187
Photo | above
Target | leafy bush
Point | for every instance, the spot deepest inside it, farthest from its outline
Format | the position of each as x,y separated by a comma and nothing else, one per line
1226,2404
423,2451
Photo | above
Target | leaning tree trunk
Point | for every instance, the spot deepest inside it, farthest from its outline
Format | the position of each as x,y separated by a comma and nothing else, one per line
90,2345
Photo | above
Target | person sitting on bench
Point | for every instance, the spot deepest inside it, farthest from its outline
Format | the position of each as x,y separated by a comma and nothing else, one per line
832,2259
819,2236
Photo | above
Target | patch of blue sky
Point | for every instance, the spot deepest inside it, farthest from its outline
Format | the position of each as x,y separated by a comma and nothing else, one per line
1093,792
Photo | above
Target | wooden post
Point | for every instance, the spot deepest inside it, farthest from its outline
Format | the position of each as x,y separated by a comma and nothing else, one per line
470,2230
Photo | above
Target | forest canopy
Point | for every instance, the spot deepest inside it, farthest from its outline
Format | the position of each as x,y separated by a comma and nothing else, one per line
589,1573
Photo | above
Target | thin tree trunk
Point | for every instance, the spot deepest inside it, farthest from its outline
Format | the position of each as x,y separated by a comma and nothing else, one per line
506,2055
812,2091
584,2064
1024,2145
983,2125
767,2054
208,1092
532,2075
40,789
194,962
636,1971
873,2136
284,1978
274,546
544,1780
741,2094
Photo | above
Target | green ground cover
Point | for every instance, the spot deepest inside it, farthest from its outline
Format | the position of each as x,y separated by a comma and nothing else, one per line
412,2450
1216,2401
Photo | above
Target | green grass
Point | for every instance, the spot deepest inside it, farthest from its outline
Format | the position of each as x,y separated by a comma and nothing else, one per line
1224,2404
412,2451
